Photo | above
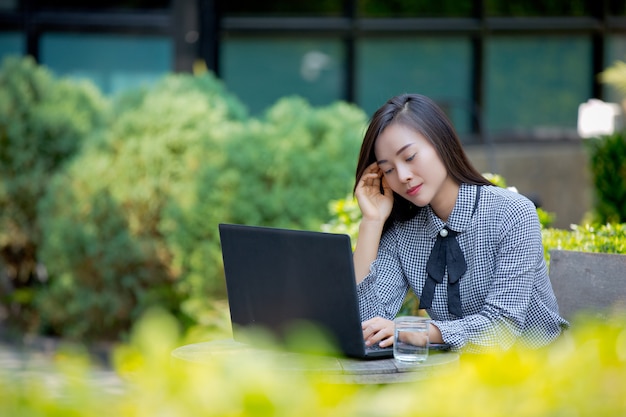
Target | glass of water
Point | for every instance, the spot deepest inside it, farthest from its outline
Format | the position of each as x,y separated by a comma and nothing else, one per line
411,339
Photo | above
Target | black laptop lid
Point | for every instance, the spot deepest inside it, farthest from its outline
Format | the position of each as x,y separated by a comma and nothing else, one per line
278,277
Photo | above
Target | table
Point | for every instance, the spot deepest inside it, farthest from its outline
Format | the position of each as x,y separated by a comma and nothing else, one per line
333,369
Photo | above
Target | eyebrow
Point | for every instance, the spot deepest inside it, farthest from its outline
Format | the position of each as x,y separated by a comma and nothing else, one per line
382,161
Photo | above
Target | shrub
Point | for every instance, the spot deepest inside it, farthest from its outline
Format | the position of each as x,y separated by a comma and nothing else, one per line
44,122
280,170
132,222
105,216
608,238
608,169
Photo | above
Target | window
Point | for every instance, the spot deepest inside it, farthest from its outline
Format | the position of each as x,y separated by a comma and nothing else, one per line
11,43
436,67
535,83
113,62
262,70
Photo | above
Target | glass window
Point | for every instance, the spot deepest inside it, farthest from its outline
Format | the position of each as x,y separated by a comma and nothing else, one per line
113,62
615,51
11,43
536,83
540,8
262,70
436,67
416,8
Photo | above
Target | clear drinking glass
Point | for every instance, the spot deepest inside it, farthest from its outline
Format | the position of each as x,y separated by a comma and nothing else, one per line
411,339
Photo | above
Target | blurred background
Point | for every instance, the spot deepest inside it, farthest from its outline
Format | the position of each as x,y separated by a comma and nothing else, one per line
181,114
511,74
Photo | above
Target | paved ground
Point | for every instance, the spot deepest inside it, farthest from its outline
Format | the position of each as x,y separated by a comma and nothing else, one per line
36,362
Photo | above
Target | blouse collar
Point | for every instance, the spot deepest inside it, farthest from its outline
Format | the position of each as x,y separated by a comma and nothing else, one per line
461,215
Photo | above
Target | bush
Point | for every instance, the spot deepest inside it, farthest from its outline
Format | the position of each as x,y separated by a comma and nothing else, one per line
281,170
284,169
608,238
44,122
106,216
132,223
608,169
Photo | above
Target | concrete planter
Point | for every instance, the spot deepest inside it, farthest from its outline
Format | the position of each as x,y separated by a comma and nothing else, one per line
593,283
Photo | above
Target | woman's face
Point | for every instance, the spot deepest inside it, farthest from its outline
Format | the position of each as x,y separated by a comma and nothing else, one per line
414,170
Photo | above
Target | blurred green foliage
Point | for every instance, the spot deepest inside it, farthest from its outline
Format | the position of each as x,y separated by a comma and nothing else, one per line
606,238
107,218
608,170
44,123
615,76
131,222
580,374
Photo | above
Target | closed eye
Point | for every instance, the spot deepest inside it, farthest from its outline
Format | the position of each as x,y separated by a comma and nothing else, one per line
412,157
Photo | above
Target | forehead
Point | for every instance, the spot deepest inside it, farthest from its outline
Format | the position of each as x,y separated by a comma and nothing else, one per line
395,138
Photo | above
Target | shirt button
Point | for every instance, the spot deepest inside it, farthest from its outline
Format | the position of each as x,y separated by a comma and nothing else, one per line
444,232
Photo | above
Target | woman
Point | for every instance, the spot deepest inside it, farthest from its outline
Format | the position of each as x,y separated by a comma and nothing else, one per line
470,251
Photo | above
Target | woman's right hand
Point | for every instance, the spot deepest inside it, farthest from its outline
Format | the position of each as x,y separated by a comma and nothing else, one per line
374,205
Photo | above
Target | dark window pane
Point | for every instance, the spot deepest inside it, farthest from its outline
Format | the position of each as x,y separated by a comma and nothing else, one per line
416,8
113,62
615,51
519,8
281,8
11,43
262,70
535,84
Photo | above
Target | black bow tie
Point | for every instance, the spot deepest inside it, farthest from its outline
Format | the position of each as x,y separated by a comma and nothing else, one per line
445,253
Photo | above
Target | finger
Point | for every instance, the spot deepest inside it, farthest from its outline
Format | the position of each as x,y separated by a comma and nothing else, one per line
389,341
369,176
373,167
370,328
385,184
382,337
375,331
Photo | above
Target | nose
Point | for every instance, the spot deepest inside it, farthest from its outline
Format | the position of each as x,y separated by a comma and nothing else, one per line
404,173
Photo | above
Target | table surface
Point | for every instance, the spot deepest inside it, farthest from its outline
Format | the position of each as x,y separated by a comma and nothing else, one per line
333,369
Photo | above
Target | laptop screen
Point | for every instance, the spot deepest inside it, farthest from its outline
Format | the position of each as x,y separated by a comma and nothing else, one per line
277,278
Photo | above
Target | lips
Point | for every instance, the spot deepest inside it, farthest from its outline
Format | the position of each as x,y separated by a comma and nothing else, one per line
413,190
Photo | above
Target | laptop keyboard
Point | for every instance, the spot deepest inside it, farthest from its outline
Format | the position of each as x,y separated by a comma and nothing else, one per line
376,348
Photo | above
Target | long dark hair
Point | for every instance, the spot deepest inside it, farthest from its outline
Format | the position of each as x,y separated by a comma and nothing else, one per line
422,114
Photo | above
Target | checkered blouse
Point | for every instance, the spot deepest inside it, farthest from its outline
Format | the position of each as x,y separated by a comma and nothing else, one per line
506,295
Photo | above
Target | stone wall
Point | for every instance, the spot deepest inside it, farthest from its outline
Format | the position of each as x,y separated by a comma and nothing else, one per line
554,174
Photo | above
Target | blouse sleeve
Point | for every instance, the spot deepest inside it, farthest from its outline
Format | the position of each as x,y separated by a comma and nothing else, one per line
518,260
382,291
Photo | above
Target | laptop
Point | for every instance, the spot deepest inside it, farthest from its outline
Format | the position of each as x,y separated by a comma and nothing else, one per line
279,279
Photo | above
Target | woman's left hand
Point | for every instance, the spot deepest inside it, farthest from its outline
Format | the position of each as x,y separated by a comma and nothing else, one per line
378,330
